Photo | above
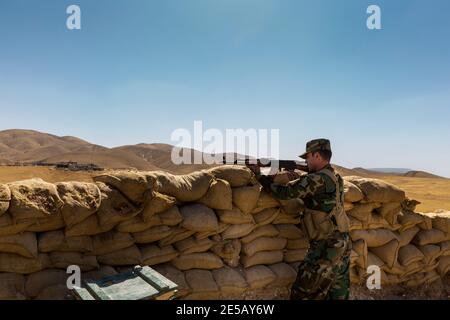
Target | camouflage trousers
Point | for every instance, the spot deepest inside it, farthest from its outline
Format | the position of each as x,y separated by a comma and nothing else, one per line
324,274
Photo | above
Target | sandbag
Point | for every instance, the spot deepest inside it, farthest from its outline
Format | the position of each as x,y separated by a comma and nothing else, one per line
14,263
157,204
376,190
295,255
266,216
351,192
8,227
441,221
135,186
408,220
262,231
390,211
34,198
111,241
294,244
122,257
229,281
104,271
426,223
388,252
376,221
264,244
285,275
12,286
38,281
375,237
204,260
5,197
348,206
205,234
432,236
24,244
409,254
53,222
359,247
114,207
218,196
202,285
175,275
374,260
153,254
444,265
80,200
445,248
227,249
363,212
237,176
198,217
192,245
262,257
56,241
177,234
292,206
170,217
87,227
62,260
235,216
246,198
152,234
354,224
430,253
405,237
259,276
285,218
238,231
290,231
186,188
137,224
57,292
265,201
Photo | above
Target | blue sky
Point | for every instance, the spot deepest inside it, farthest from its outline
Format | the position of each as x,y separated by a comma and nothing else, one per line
137,70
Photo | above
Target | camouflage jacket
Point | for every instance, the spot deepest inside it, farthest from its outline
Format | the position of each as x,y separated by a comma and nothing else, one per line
317,190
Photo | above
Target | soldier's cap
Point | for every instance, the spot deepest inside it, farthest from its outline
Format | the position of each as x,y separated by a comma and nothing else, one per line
316,145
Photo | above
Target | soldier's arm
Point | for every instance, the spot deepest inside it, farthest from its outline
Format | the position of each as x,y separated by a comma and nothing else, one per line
307,185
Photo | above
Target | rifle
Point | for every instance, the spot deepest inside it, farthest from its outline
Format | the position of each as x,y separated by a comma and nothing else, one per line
287,165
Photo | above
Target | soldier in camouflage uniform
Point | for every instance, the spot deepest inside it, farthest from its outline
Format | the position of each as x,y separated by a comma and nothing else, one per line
324,273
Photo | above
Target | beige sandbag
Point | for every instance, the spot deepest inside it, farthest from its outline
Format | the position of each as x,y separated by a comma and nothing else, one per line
227,249
153,254
408,220
5,197
50,223
376,221
111,241
421,278
265,201
14,263
202,285
285,218
388,252
285,275
290,231
204,260
114,207
432,236
295,255
405,237
375,237
237,176
192,245
354,223
238,231
58,292
246,198
397,268
259,276
444,265
262,231
427,223
12,286
430,253
177,234
137,224
235,216
198,217
266,216
262,257
152,234
363,211
24,244
104,271
359,247
218,196
229,281
351,192
292,206
80,199
135,186
122,257
38,281
376,190
170,217
284,177
186,188
8,227
264,244
445,248
56,241
157,204
413,268
441,221
205,234
62,260
294,244
32,199
348,206
390,211
374,260
175,275
409,254
87,227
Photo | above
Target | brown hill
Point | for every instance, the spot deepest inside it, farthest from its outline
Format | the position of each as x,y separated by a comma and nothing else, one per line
421,174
